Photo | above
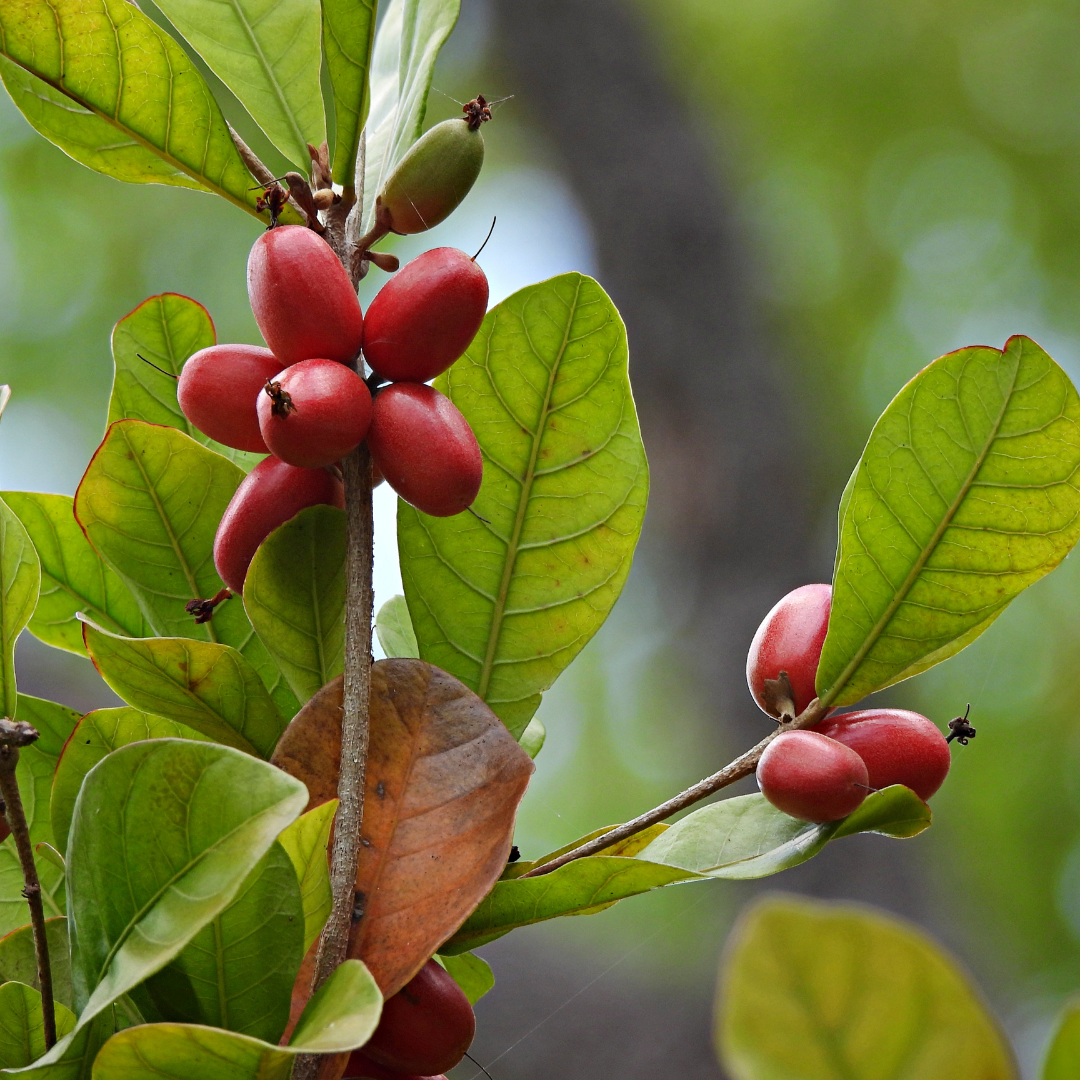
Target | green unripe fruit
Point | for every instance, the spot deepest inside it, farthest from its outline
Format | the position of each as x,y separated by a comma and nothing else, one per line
433,177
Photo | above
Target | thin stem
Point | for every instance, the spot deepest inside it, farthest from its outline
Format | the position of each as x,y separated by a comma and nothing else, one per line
12,736
742,766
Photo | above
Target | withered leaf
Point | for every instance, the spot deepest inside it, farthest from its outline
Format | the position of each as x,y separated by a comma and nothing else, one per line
444,779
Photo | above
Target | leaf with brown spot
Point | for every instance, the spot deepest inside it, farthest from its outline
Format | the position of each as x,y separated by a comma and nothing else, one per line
450,777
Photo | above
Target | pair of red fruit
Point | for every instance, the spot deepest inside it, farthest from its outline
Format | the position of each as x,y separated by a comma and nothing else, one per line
823,773
425,1029
301,401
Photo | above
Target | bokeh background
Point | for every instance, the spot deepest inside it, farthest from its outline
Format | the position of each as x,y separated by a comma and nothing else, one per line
796,205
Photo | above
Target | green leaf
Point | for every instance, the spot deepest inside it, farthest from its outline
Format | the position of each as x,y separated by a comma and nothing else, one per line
110,59
306,841
348,35
294,594
88,138
471,973
966,494
209,687
505,604
238,972
833,992
22,1027
395,629
407,45
1063,1058
53,722
73,575
20,578
98,734
532,738
18,959
740,838
150,504
167,330
267,52
73,1056
341,1016
140,896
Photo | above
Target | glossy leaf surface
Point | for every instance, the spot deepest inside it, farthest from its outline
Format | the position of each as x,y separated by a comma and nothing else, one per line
443,782
20,577
267,52
22,1028
167,330
407,45
834,992
18,959
72,1058
966,494
1063,1057
739,838
111,59
395,629
341,1016
348,36
98,734
237,973
471,973
216,812
150,503
294,594
305,841
209,687
73,575
506,604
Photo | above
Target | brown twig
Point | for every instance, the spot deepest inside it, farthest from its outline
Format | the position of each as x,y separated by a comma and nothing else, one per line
14,734
742,766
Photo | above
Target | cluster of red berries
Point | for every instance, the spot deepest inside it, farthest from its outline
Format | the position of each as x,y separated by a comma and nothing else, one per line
424,1031
823,773
302,402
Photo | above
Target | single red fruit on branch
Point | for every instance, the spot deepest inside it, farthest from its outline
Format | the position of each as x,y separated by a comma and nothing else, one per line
898,747
302,297
361,1067
812,777
314,413
271,494
426,1027
425,316
789,640
425,448
217,391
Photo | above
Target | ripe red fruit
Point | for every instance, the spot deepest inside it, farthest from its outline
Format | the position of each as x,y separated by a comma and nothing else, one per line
362,1067
425,448
897,746
314,413
217,388
790,639
812,777
302,298
271,494
426,1027
425,316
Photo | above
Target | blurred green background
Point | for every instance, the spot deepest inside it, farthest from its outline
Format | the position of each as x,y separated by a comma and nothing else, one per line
898,179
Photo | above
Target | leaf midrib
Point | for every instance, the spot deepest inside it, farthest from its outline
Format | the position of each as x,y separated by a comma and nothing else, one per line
917,567
523,504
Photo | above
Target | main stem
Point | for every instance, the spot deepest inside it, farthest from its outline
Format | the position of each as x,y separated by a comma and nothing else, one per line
16,819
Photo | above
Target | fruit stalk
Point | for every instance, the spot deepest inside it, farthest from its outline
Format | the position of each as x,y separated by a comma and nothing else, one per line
14,734
744,765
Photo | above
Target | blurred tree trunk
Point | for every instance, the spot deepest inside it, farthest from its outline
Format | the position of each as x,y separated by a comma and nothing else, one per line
729,527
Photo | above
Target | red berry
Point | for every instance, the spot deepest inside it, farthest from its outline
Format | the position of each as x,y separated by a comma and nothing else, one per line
361,1066
425,316
898,747
811,777
302,298
267,497
314,413
426,1027
217,389
790,639
425,448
